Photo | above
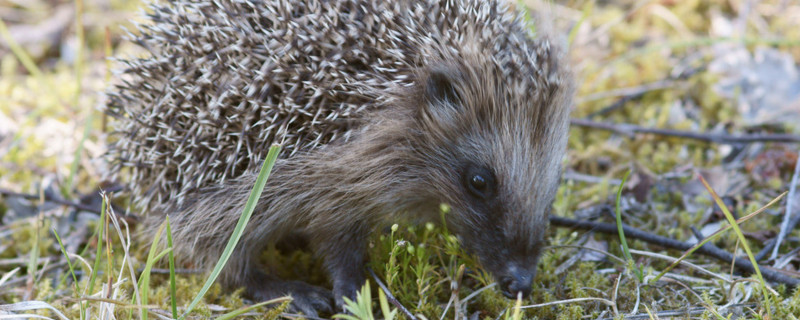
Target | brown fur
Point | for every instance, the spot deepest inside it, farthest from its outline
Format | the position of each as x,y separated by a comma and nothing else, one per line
464,97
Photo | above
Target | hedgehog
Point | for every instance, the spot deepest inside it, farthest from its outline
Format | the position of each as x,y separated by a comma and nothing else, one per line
385,110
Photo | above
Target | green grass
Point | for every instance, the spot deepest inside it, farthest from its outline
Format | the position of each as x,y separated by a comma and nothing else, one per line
733,223
622,240
71,270
172,290
144,278
100,230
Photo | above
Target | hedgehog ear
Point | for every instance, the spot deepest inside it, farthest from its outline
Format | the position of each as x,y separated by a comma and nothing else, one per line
440,87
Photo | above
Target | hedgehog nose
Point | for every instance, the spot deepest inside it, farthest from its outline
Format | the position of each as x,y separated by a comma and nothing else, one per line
518,282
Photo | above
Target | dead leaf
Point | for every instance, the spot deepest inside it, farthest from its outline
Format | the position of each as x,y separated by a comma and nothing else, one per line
639,185
775,163
761,236
591,255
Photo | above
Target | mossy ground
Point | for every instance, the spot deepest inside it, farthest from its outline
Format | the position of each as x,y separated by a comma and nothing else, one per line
616,44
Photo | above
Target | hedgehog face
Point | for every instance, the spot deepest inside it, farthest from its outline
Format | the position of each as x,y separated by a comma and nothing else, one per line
494,224
495,159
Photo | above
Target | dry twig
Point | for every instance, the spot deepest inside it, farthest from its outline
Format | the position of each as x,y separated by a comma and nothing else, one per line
788,223
391,297
52,199
708,249
48,197
631,130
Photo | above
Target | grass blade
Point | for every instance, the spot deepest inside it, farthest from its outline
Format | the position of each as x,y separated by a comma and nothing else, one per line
20,53
236,313
30,305
8,275
79,52
77,95
73,170
585,13
261,181
172,290
69,262
33,257
741,237
99,233
618,213
71,270
144,279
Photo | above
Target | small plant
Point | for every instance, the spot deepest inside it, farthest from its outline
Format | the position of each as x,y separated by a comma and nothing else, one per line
361,309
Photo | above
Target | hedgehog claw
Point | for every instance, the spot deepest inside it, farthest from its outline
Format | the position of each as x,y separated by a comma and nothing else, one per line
306,299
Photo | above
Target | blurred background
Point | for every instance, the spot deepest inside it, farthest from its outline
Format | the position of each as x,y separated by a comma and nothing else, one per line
725,66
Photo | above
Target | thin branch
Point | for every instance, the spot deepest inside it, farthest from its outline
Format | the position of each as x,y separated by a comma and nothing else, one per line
618,104
671,313
64,202
786,225
635,93
683,263
604,301
476,292
389,295
626,93
52,199
605,253
581,177
707,249
300,316
692,311
631,130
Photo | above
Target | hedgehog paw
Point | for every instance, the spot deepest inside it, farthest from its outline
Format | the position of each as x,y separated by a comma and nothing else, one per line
307,299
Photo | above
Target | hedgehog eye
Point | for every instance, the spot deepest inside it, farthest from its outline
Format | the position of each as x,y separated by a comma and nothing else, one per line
479,182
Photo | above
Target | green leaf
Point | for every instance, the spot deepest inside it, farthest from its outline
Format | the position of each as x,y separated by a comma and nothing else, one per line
361,309
388,313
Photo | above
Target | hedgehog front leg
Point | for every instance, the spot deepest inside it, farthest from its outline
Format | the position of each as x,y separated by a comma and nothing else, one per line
206,221
243,270
343,251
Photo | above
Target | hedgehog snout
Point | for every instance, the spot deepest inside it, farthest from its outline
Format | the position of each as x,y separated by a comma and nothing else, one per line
517,281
